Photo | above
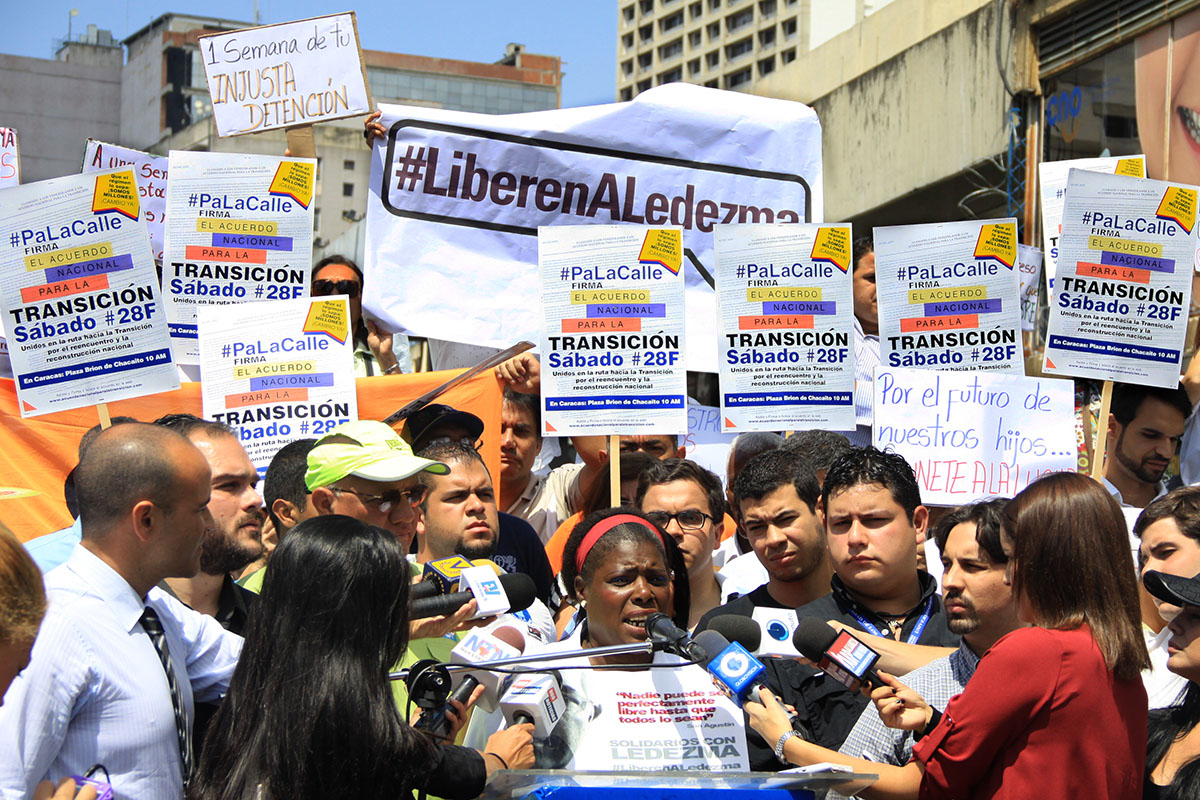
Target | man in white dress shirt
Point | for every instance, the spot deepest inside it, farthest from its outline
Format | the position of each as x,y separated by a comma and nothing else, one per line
97,690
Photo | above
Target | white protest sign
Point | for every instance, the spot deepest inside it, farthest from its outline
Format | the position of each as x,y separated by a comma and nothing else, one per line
705,442
1052,184
612,341
239,229
10,158
456,199
1029,267
80,294
949,296
971,435
152,182
787,327
279,76
287,376
1120,308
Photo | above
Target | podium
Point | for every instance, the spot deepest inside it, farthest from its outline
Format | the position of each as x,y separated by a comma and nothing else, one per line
534,784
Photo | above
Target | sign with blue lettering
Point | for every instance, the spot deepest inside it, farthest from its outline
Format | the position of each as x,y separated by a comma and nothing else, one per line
82,312
786,349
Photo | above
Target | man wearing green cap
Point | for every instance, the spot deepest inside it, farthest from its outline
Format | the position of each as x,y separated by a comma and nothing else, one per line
366,471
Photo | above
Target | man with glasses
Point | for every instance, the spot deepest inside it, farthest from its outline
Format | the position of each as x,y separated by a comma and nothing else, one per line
687,501
366,471
373,347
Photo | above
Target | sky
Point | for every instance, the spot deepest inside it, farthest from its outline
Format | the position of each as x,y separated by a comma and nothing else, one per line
581,32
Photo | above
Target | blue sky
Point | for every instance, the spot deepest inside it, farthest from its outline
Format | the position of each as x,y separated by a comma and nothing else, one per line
582,32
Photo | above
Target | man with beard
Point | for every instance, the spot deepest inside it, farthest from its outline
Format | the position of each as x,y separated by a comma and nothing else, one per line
1145,428
235,538
979,608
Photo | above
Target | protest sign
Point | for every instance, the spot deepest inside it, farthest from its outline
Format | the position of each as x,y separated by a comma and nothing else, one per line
1052,180
289,376
1120,308
786,312
239,228
456,199
612,341
152,182
84,321
972,435
10,158
1029,268
949,296
280,76
706,444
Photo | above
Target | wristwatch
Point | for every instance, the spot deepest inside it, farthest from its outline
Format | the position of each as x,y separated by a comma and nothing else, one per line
782,741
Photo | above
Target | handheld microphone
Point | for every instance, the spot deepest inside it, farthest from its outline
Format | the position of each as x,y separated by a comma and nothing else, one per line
736,628
734,671
519,589
442,576
537,699
435,721
666,635
841,655
479,647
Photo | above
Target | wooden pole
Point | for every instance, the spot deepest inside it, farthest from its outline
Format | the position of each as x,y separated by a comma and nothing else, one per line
614,471
1102,431
105,419
300,142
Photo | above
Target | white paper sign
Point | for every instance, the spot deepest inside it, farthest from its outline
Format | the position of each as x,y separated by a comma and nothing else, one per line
1029,267
279,76
1120,307
949,296
287,376
970,436
705,444
239,229
456,199
1052,180
84,320
152,182
10,158
612,341
786,311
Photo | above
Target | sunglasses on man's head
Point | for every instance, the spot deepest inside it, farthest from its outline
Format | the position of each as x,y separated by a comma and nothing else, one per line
323,287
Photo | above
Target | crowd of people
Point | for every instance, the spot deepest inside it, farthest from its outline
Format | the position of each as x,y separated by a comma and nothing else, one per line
195,633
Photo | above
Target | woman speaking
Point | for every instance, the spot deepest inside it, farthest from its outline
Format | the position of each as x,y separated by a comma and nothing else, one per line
310,713
1053,711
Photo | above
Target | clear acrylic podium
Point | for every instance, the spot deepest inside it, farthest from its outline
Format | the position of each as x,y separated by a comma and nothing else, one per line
532,784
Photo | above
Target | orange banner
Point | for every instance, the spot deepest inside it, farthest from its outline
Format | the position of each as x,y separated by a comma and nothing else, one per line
775,321
918,324
1112,272
596,324
37,453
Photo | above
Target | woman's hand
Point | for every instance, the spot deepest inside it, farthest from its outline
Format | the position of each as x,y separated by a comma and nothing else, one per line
767,716
373,128
437,627
380,342
65,791
513,747
900,707
522,373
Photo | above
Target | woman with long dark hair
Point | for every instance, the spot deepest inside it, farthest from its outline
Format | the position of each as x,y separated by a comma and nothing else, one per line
310,713
1055,710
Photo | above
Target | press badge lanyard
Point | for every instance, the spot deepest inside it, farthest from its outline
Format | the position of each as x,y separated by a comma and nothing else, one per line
917,630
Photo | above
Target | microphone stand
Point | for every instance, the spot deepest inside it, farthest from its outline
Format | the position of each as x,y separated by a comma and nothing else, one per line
538,658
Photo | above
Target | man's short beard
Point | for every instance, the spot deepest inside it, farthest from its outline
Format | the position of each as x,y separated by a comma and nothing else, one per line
476,549
1140,470
221,553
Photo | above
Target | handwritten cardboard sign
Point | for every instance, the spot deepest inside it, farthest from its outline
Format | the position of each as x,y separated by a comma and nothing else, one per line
10,158
152,182
285,75
972,435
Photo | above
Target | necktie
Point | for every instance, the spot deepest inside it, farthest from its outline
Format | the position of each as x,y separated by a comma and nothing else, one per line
154,630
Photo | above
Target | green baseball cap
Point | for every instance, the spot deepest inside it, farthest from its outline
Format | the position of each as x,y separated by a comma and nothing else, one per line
365,449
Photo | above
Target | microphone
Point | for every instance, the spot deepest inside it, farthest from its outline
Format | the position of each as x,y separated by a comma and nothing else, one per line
666,635
519,589
841,655
435,721
480,647
442,576
737,628
736,673
535,698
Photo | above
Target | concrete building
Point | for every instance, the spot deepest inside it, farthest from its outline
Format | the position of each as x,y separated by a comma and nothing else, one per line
149,92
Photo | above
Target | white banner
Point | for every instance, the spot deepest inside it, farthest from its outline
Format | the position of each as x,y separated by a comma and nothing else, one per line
456,199
787,327
152,182
1029,267
288,376
10,158
1052,184
279,76
239,229
949,296
1120,307
612,342
969,436
84,320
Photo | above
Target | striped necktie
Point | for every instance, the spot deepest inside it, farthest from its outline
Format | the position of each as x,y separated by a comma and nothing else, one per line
154,630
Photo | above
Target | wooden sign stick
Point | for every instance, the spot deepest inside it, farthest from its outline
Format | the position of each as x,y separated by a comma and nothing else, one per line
300,142
105,418
614,470
1102,431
